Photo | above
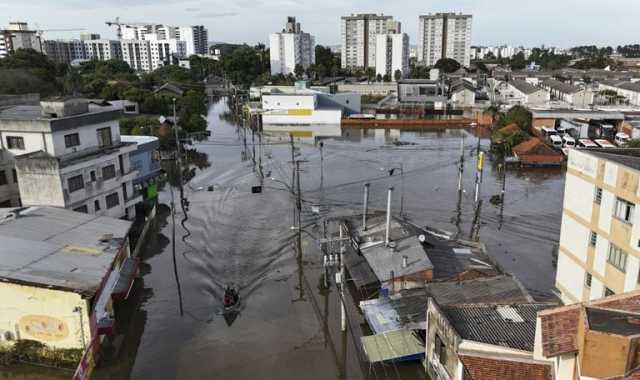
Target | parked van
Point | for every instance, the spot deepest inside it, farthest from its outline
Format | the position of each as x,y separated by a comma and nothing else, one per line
546,132
568,141
621,138
556,141
586,143
604,144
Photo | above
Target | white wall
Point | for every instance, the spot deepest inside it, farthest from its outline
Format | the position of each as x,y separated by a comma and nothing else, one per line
578,196
572,278
600,259
632,275
574,237
597,289
316,117
606,211
88,137
286,102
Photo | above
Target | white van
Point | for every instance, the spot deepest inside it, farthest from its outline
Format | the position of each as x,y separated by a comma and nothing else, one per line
568,141
556,141
604,143
621,138
586,143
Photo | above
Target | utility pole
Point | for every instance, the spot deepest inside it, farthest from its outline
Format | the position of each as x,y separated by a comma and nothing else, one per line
321,164
293,159
479,176
504,185
461,168
365,207
343,314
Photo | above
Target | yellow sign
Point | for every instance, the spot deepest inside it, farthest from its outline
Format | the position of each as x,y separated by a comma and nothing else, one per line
301,134
480,161
300,112
44,328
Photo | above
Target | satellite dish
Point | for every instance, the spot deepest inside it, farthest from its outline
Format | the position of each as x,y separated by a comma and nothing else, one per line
422,238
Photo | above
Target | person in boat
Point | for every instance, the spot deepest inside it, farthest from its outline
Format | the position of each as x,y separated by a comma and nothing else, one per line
230,296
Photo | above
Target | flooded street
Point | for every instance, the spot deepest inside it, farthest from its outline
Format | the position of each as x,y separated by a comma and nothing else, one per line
288,325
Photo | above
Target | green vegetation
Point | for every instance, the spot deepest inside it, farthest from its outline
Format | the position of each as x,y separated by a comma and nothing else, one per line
31,351
27,71
510,128
629,51
633,143
447,65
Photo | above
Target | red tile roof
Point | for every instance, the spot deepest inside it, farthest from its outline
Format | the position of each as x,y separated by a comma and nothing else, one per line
560,325
484,368
536,151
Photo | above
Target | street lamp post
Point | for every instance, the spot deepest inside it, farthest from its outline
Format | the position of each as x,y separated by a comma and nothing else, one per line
391,171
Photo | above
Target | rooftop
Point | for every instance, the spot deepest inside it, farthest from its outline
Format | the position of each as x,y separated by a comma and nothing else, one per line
630,86
511,326
525,87
613,321
58,248
481,367
385,261
629,157
34,112
561,86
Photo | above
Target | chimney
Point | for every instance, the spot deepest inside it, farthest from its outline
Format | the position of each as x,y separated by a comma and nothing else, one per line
386,237
365,207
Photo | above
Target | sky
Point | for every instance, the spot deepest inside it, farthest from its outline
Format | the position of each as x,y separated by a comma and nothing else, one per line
561,23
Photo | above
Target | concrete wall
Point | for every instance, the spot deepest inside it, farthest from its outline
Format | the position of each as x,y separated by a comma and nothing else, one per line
314,117
40,182
378,89
437,324
350,103
44,315
287,102
16,100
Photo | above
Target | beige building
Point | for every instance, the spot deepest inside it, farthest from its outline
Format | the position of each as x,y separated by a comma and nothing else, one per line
60,274
599,252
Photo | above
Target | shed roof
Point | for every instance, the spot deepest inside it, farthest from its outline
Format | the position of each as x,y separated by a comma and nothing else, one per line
512,326
478,367
565,88
525,87
53,247
386,260
536,151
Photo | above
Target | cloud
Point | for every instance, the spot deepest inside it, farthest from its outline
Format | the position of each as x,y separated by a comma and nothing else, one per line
217,14
192,9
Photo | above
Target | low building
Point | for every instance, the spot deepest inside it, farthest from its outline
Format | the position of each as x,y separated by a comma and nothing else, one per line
420,91
598,254
534,152
484,342
368,89
68,153
521,92
630,91
145,161
62,272
593,340
9,191
568,93
462,94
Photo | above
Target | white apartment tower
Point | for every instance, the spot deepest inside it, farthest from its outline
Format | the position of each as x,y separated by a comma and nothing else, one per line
444,35
392,54
195,37
291,47
359,38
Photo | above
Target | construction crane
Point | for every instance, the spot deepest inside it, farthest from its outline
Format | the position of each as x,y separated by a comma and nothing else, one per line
119,24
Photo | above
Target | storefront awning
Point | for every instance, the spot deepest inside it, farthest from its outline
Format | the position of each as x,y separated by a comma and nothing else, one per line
128,273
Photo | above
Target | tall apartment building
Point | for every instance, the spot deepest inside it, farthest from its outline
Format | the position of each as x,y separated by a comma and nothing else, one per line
444,35
359,38
102,50
196,37
18,36
68,154
599,252
392,54
290,48
151,54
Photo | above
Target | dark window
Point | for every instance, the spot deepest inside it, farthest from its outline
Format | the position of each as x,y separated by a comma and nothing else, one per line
597,198
587,280
15,142
593,239
104,137
624,210
71,140
83,209
76,183
608,292
93,176
3,178
15,175
112,200
617,257
108,172
441,351
96,205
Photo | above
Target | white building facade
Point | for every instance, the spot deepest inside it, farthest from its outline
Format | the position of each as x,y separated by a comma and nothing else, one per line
444,35
358,37
69,154
599,252
196,39
392,54
290,48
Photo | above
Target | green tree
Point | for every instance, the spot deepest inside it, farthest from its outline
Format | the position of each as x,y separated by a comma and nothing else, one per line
379,78
518,62
397,75
299,71
370,72
447,65
386,78
519,115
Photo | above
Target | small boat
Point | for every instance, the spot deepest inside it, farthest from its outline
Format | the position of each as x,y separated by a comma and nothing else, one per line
231,298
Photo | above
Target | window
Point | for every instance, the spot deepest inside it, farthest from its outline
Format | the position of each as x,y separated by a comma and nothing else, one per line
617,257
593,239
15,142
71,140
587,280
93,176
83,209
104,137
624,210
608,292
15,175
3,178
112,200
441,350
108,172
96,205
597,197
75,183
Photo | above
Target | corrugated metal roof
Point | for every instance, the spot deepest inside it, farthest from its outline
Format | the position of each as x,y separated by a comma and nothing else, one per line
512,327
56,247
392,346
524,87
385,260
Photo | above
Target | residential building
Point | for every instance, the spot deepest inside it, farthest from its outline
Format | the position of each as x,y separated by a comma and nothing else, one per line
195,37
68,153
518,92
61,51
62,274
358,34
599,252
421,91
444,35
485,341
19,36
103,50
392,54
290,48
592,340
463,94
145,161
137,53
9,191
568,93
630,91
89,36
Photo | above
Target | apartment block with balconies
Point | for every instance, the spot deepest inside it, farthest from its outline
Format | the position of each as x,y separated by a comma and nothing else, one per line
69,154
599,253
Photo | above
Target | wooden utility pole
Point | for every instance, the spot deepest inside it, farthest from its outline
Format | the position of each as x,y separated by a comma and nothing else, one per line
293,159
461,168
